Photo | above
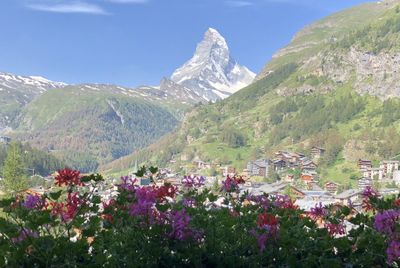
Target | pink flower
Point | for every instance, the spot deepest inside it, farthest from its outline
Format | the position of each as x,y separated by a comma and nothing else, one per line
335,229
231,184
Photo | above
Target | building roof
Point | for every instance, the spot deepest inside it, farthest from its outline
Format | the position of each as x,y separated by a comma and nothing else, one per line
348,193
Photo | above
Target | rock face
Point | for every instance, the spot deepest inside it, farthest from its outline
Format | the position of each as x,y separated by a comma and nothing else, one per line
376,75
212,72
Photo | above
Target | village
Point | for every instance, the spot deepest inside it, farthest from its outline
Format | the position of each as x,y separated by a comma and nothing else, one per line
298,178
289,173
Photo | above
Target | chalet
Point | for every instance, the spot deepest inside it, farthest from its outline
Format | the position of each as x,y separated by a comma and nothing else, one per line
373,173
292,160
5,139
364,183
348,197
201,165
273,188
258,168
278,164
317,195
388,167
308,165
296,192
331,187
364,164
231,171
307,178
317,152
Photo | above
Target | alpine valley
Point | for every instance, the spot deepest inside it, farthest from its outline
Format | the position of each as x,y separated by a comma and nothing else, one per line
90,124
335,86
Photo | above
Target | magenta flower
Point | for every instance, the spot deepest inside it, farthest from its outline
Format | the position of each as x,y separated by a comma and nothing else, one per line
230,185
335,229
32,202
318,211
393,251
385,222
369,192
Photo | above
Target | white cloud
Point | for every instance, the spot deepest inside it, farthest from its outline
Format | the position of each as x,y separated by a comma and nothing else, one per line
128,1
238,3
68,7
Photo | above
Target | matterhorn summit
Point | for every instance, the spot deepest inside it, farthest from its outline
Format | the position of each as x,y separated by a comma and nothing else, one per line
212,72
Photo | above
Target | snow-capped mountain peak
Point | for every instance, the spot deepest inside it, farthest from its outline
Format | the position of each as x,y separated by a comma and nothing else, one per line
29,83
212,72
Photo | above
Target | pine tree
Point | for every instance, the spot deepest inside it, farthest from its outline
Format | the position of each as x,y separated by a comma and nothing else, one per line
14,179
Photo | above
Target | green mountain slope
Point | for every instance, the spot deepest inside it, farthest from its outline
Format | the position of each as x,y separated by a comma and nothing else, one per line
331,87
91,124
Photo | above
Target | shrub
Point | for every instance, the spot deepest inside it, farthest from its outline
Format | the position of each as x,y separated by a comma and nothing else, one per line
152,226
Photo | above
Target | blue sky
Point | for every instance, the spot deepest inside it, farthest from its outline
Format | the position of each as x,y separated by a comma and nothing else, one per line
136,42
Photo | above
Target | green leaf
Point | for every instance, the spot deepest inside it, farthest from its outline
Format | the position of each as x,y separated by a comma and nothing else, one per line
141,171
55,195
153,170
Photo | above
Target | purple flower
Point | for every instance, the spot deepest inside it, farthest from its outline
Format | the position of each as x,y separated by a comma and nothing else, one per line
181,230
284,201
393,251
180,224
128,183
369,192
24,234
261,239
145,200
188,202
193,181
385,222
32,201
318,211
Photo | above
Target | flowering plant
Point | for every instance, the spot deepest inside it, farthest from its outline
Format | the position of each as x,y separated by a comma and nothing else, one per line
163,225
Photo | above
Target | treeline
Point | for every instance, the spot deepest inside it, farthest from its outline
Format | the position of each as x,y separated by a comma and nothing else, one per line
34,161
302,116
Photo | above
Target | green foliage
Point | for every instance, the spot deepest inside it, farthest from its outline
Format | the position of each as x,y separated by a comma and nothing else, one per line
34,160
233,137
308,115
14,177
390,112
142,228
